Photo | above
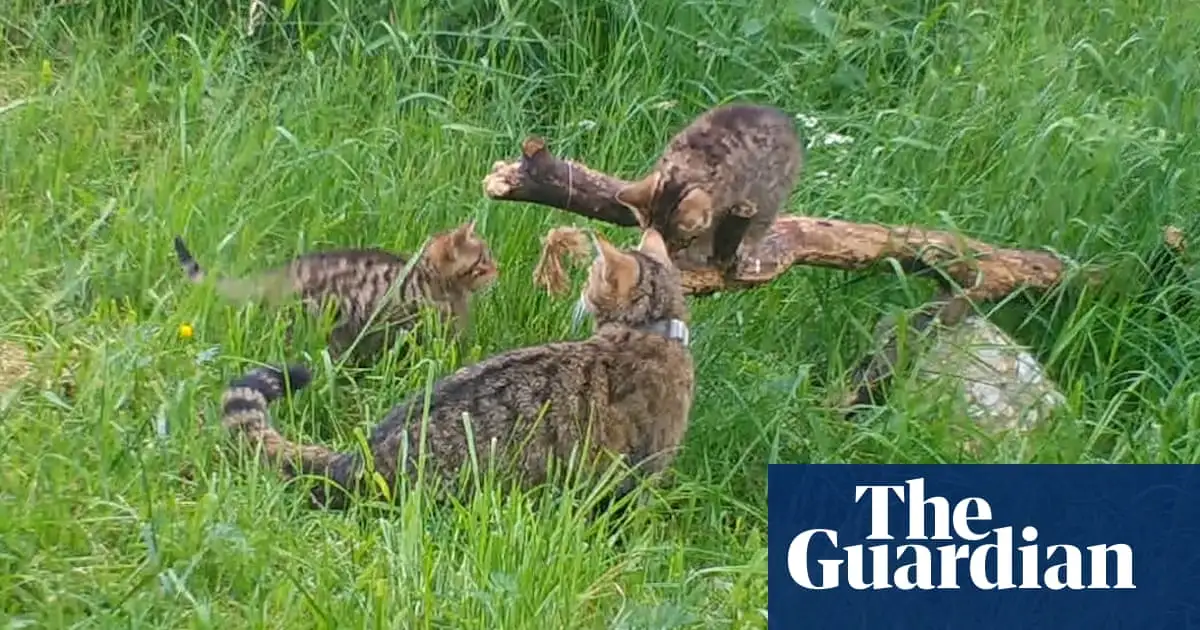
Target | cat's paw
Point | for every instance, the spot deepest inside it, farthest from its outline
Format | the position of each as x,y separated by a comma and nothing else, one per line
743,210
728,267
684,263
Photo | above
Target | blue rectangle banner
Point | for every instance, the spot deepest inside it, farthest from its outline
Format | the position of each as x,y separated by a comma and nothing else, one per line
969,546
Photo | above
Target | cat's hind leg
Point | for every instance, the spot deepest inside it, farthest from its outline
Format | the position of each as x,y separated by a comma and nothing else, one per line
616,504
693,258
757,230
289,334
342,338
749,249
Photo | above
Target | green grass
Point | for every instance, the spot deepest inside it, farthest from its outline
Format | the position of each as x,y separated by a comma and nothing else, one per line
1024,124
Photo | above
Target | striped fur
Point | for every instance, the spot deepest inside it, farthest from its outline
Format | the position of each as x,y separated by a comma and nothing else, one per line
626,391
454,266
719,183
244,409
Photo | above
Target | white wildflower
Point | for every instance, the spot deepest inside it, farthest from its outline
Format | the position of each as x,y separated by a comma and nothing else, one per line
836,138
809,122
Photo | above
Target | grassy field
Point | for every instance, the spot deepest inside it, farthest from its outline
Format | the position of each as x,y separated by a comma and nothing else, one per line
1025,124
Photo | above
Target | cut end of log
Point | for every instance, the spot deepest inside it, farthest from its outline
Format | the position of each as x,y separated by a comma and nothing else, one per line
502,181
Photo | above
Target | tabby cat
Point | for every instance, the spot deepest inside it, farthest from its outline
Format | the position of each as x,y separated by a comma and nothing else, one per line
720,181
454,265
626,390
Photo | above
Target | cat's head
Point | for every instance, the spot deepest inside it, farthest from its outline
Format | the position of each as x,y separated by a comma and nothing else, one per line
679,211
633,287
463,258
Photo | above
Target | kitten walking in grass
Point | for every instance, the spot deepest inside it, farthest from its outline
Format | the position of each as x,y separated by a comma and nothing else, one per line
453,266
627,391
721,181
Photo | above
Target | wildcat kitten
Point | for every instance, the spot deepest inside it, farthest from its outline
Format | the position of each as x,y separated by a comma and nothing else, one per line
456,264
720,181
634,375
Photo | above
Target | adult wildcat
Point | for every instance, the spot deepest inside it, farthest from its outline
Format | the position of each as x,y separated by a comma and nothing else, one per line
627,390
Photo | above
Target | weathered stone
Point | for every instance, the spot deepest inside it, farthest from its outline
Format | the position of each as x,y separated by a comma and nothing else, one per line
1002,384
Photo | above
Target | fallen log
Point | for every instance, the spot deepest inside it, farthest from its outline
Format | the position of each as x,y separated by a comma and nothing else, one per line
985,272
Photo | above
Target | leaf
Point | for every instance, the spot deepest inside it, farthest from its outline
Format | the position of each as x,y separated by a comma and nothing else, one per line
752,27
382,483
823,21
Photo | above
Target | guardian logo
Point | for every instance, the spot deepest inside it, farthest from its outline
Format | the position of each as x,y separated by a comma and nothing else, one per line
983,546
946,544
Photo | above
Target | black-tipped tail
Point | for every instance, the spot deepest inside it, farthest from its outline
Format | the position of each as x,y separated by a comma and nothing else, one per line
244,412
248,395
273,381
187,261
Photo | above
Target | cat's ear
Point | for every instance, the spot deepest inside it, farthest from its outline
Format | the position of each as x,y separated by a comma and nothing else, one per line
654,246
603,250
464,231
639,196
695,211
616,267
462,234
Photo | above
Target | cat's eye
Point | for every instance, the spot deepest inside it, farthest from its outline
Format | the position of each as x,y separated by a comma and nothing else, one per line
477,268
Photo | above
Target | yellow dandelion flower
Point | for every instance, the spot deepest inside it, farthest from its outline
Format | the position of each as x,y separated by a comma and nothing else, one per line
185,331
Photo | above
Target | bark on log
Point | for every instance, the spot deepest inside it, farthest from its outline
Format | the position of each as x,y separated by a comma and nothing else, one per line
984,271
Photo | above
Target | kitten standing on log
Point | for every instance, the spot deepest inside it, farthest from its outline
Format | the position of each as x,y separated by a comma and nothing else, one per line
626,390
721,181
455,265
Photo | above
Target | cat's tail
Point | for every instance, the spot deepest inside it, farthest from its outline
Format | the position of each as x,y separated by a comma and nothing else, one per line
273,285
187,261
244,412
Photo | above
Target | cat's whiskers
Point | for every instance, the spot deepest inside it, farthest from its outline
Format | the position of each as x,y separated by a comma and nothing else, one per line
579,312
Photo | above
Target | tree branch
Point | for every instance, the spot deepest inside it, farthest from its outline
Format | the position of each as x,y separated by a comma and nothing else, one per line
986,272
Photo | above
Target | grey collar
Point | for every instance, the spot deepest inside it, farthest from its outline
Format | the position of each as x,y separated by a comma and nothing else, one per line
669,328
